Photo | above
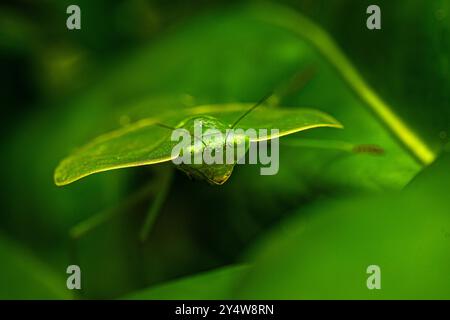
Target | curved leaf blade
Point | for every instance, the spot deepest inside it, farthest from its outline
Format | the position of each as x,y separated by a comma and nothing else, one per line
211,285
405,233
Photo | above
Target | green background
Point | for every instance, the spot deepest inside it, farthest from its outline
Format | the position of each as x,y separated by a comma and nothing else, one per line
308,232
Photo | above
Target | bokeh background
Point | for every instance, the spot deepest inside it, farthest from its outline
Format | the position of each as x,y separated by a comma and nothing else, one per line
308,232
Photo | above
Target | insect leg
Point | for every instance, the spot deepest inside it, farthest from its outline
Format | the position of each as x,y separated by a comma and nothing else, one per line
157,204
97,220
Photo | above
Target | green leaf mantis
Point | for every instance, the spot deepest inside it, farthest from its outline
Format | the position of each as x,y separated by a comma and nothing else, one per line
147,141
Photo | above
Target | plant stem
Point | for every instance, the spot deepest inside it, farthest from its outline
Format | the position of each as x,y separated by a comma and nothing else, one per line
294,21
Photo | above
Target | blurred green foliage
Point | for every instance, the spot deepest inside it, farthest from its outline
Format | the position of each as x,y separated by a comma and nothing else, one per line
308,232
323,253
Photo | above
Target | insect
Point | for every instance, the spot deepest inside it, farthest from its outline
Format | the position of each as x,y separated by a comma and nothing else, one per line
147,142
213,173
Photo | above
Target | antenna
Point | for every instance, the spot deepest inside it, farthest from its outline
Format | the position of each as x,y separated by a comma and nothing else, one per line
298,81
260,102
162,125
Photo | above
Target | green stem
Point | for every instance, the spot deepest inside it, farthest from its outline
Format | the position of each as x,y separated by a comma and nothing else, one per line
293,21
334,145
320,144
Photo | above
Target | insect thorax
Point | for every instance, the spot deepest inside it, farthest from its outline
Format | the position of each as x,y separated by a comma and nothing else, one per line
211,138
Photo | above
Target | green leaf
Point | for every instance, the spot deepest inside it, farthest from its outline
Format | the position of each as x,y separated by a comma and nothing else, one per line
144,143
323,251
216,285
24,277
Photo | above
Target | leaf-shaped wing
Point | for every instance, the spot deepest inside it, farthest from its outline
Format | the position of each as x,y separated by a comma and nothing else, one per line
143,142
